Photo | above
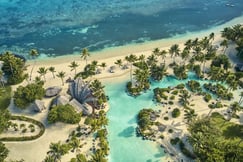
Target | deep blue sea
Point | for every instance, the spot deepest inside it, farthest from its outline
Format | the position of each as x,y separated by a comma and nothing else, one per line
59,27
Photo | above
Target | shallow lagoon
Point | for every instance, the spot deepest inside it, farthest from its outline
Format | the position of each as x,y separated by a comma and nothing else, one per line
124,144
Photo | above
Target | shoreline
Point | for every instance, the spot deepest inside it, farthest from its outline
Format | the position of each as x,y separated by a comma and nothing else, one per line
140,48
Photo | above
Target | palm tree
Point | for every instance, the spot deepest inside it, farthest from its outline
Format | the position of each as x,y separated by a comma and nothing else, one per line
190,115
74,66
235,107
52,70
49,158
103,65
152,60
1,78
156,51
224,44
37,79
81,158
174,51
85,54
158,72
231,81
211,37
204,43
184,98
216,73
188,44
42,71
141,58
57,150
33,53
61,75
74,143
241,97
185,55
119,62
131,59
98,156
162,54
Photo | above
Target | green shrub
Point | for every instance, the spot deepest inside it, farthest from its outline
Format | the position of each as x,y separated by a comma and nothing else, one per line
166,118
172,97
23,96
63,113
170,102
175,113
13,67
5,116
170,131
24,130
5,97
194,86
174,141
180,86
175,92
207,97
162,136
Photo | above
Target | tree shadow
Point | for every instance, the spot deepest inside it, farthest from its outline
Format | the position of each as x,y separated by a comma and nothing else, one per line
128,132
233,131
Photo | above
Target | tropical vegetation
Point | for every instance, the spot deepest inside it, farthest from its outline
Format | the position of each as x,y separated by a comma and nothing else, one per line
63,113
24,96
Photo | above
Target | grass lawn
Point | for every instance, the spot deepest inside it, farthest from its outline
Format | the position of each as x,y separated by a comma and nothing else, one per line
230,130
5,96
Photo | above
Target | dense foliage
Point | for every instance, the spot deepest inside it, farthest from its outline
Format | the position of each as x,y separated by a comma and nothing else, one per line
97,122
3,152
180,72
215,139
221,61
4,120
235,34
63,113
175,113
5,97
143,119
194,86
218,90
13,68
23,96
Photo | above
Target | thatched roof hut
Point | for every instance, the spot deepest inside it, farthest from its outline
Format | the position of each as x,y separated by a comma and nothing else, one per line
53,91
39,105
60,100
84,108
80,90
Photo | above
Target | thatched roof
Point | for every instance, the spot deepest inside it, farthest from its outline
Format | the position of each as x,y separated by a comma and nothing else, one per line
60,100
80,90
39,105
53,91
84,108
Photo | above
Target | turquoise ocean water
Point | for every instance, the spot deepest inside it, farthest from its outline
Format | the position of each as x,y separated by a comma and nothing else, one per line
124,145
58,27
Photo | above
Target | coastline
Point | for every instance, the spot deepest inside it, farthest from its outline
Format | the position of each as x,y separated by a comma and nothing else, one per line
140,48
